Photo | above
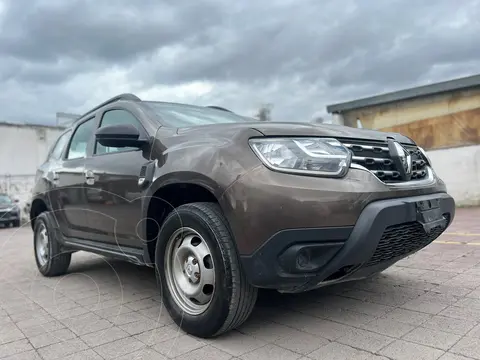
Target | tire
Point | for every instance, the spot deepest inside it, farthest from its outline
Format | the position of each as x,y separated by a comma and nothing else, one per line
16,223
232,299
54,262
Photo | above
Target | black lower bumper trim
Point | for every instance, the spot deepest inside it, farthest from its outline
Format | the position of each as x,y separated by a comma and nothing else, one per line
388,230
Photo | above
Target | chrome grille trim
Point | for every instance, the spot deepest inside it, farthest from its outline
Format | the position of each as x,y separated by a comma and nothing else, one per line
375,157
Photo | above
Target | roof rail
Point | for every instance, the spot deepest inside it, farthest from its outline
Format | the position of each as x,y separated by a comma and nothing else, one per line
218,108
125,96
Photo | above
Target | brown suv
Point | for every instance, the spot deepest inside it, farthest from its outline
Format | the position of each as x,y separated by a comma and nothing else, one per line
222,204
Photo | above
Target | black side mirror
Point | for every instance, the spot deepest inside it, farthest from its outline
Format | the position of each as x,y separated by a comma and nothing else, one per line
122,135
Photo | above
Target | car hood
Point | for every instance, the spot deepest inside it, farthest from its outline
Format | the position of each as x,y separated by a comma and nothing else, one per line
6,206
302,129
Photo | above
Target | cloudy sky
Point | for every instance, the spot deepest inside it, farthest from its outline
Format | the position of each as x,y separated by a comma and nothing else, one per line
299,55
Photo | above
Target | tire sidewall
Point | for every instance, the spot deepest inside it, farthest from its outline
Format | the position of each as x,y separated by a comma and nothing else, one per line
43,219
214,317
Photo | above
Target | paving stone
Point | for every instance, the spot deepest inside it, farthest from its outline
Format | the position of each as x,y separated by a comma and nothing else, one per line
159,335
266,330
104,336
84,355
14,347
407,316
144,354
467,346
27,355
271,351
403,350
51,337
119,348
388,327
139,327
452,325
365,340
301,342
177,346
9,333
462,313
336,351
43,328
435,338
236,344
63,349
450,356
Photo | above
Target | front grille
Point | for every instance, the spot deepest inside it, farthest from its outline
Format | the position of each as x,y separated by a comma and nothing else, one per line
403,239
375,156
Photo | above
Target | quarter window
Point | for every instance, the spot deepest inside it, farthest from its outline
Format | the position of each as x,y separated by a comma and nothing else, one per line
57,149
80,140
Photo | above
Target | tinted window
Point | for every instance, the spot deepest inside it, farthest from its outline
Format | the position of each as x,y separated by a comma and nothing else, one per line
80,140
179,115
59,146
116,117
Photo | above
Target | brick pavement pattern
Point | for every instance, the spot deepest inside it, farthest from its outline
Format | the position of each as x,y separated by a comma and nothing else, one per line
425,307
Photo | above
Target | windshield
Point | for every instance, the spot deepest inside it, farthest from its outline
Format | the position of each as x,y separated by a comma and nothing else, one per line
5,200
180,115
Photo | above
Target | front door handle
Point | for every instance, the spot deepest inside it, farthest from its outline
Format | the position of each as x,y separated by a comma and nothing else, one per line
89,177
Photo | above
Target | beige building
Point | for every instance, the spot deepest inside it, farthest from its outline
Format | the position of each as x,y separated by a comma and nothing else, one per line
436,116
443,118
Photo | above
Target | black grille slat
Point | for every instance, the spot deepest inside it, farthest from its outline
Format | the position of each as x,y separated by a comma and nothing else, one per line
403,239
375,156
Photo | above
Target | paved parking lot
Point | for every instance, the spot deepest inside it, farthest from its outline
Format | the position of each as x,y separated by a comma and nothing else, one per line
425,307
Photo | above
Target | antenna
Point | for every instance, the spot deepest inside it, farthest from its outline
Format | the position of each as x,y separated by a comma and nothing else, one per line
126,97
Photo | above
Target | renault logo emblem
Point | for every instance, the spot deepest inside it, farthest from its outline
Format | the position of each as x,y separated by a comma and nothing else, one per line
401,158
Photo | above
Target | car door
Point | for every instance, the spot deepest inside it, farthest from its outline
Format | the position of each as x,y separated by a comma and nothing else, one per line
113,193
67,196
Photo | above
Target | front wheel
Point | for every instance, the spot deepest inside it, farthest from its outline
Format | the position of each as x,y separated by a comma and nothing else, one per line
204,288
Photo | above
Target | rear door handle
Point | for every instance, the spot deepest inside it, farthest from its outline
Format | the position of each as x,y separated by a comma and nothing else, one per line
55,178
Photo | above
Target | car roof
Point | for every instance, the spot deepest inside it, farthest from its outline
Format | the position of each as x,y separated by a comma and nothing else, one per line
133,98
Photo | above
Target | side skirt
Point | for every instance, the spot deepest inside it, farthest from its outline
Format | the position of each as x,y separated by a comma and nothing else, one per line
132,255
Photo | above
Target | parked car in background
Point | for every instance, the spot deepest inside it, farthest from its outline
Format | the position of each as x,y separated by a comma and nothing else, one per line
222,205
10,213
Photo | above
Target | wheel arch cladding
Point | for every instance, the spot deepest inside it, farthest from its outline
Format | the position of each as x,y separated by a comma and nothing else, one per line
163,201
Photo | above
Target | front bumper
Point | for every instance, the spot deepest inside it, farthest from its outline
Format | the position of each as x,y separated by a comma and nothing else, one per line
386,231
8,217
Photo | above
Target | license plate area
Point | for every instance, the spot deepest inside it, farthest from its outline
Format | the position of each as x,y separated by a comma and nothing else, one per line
429,214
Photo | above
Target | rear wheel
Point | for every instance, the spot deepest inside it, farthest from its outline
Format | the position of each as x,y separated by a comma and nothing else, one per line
204,288
51,261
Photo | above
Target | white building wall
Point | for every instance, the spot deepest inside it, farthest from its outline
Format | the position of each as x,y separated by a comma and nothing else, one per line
22,149
460,169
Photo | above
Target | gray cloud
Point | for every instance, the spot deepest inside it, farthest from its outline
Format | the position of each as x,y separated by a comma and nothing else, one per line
299,55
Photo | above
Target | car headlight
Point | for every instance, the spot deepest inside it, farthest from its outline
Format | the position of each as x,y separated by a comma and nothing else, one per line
307,156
